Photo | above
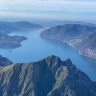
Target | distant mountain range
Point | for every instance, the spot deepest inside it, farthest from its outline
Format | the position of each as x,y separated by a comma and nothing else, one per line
14,26
48,77
81,37
55,23
7,41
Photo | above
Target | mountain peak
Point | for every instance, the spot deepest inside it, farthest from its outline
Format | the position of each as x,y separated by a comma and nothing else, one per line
48,77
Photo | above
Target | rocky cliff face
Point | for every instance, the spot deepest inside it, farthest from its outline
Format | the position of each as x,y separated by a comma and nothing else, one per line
81,37
47,77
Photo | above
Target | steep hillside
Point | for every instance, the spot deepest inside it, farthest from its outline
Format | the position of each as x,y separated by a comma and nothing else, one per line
4,61
86,46
81,37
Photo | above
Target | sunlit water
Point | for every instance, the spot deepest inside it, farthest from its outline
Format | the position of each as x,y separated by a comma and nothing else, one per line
37,48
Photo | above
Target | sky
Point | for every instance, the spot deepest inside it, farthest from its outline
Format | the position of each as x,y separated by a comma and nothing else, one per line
49,9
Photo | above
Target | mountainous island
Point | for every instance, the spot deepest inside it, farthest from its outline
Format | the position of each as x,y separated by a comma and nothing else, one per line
48,77
8,42
81,37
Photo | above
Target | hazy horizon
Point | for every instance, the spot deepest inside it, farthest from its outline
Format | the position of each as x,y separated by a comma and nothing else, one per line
78,10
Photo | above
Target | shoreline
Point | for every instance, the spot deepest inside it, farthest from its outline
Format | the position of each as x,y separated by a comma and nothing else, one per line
80,52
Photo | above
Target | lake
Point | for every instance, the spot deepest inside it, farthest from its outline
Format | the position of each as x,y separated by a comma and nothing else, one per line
37,48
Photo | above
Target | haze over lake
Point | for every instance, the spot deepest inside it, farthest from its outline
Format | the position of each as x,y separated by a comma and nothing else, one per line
37,48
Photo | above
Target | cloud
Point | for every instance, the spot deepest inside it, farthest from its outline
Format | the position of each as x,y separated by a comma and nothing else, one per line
49,4
59,8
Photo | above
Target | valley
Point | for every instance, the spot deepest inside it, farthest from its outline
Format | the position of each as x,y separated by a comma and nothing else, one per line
35,48
47,48
70,72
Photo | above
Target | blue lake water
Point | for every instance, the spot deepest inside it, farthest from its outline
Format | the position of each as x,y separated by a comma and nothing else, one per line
37,48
